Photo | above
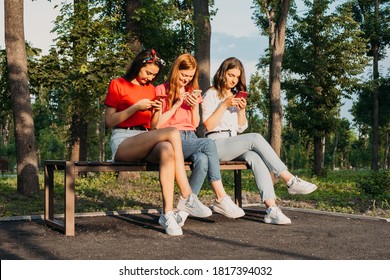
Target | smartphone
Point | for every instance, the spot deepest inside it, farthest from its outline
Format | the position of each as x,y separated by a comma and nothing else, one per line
197,92
241,94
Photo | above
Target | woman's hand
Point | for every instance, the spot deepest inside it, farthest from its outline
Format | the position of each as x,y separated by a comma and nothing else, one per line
192,100
179,101
144,104
156,106
241,103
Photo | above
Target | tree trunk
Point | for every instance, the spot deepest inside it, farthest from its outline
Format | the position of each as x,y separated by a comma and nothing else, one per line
277,46
202,41
132,26
375,111
26,152
386,154
79,126
202,46
319,155
336,140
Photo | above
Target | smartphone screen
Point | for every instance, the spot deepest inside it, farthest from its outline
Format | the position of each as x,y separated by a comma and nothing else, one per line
241,94
197,92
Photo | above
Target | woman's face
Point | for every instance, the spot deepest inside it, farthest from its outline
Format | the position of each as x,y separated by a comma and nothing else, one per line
232,77
186,76
147,73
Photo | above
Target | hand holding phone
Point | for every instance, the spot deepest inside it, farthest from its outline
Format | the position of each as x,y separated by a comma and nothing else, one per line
196,93
241,94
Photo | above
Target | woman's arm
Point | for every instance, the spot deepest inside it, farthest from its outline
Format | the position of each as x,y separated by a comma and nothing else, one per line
215,118
242,121
113,118
164,117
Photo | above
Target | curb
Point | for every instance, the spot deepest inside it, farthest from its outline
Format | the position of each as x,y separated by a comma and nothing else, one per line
157,211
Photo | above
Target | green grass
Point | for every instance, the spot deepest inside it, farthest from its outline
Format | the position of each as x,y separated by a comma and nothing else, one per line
338,192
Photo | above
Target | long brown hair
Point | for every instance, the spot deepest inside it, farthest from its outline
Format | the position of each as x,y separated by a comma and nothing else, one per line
183,62
219,79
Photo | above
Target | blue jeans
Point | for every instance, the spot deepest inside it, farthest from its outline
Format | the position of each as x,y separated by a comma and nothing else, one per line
258,153
203,153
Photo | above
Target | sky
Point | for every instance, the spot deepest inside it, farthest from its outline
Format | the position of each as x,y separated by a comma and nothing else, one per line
233,34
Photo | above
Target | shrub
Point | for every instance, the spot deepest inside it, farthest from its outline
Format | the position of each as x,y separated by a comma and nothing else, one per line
375,183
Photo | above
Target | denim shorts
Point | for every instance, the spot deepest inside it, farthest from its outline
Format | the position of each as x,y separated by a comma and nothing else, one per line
118,135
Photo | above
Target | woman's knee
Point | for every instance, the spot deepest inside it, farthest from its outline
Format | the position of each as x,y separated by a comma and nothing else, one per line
200,160
165,150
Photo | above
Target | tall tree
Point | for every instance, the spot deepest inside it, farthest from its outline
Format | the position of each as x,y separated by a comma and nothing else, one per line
79,124
373,16
276,14
26,153
202,41
325,52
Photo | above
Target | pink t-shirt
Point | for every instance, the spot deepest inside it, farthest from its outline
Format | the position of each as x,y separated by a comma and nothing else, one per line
182,119
122,94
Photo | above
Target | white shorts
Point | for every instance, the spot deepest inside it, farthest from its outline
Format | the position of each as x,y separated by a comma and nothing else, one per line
118,135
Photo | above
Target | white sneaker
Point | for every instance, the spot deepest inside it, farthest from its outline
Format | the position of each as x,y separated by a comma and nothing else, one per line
193,207
299,186
169,223
275,216
227,208
181,217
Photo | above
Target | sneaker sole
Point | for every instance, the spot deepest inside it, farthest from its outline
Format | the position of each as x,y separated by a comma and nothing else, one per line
279,224
198,216
220,211
307,192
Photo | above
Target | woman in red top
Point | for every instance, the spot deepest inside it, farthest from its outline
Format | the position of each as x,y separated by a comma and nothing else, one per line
131,110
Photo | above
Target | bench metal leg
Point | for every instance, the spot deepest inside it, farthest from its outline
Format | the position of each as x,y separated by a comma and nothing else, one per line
69,218
49,192
237,187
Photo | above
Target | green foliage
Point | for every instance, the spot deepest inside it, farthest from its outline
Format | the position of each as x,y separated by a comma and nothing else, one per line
257,105
376,184
362,108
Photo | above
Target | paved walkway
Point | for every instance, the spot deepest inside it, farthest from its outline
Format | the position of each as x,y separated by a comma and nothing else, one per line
312,236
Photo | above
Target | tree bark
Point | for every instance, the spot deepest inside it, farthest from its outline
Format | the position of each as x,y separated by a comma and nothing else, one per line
26,152
132,26
202,41
79,126
319,155
375,111
202,46
277,46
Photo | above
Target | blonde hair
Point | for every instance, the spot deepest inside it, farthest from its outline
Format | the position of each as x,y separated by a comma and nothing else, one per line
183,62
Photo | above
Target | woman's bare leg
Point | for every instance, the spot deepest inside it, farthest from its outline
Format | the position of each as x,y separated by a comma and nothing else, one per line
145,144
154,146
163,153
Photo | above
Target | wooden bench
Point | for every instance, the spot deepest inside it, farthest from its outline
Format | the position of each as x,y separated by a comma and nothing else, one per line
73,168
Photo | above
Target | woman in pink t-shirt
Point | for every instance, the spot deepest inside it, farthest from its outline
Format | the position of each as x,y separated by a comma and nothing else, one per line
180,109
131,110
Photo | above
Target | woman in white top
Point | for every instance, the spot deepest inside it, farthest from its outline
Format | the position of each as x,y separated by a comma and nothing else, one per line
224,118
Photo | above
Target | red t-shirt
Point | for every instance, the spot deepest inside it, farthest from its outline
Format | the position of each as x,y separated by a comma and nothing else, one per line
122,94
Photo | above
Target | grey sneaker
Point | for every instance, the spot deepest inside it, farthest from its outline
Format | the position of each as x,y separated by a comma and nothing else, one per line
169,223
275,216
181,217
193,206
227,208
299,186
